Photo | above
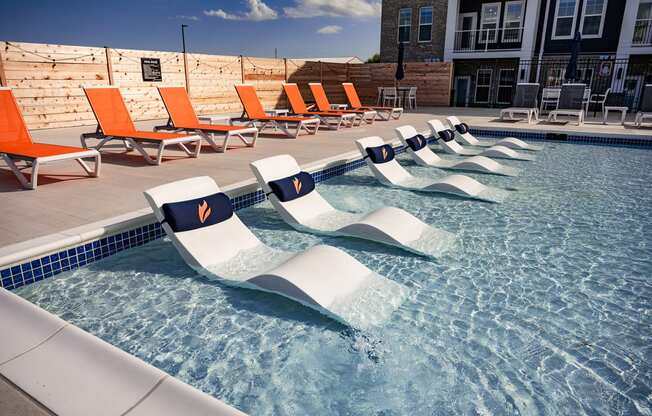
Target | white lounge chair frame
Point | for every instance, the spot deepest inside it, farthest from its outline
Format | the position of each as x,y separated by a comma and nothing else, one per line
229,252
494,152
393,174
35,163
312,213
211,136
428,158
470,140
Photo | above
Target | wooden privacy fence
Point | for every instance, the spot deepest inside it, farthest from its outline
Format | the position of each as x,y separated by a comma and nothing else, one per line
48,79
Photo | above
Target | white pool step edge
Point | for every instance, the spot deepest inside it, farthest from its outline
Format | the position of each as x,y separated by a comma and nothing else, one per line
71,372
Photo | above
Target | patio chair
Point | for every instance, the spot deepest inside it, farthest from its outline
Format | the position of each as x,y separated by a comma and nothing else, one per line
525,102
16,145
183,118
446,140
384,113
417,147
200,222
114,123
380,158
258,118
310,212
318,93
549,98
332,119
598,100
571,103
412,98
391,97
645,110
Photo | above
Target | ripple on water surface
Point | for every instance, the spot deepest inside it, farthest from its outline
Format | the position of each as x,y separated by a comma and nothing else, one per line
543,308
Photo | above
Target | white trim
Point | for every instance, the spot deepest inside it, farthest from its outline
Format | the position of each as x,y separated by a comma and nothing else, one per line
602,16
398,30
482,16
553,35
520,22
432,21
477,76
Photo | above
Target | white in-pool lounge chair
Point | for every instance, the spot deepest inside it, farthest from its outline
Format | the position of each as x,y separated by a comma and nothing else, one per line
293,195
210,237
446,139
417,147
383,165
465,137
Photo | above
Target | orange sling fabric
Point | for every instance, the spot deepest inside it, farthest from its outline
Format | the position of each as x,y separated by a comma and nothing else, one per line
179,107
295,99
352,95
320,97
250,102
12,126
114,119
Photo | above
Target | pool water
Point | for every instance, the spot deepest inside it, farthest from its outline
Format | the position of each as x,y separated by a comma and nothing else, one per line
543,308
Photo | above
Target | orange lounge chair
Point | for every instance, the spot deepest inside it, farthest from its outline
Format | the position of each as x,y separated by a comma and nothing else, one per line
256,114
16,145
368,116
183,118
385,113
332,119
114,123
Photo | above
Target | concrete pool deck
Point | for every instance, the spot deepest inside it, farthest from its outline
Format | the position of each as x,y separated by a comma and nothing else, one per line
67,199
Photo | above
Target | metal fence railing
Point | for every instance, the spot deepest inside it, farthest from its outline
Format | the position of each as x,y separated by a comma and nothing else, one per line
482,40
493,82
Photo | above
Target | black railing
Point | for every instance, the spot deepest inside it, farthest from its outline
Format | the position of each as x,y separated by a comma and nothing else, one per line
493,82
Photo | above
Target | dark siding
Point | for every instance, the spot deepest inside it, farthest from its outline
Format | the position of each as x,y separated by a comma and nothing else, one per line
607,44
470,6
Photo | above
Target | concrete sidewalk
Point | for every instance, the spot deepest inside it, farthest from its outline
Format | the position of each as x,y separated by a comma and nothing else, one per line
66,198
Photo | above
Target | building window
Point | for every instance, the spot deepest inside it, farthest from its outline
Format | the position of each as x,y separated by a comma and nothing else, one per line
404,25
425,24
506,81
513,21
643,25
483,86
593,18
564,26
489,22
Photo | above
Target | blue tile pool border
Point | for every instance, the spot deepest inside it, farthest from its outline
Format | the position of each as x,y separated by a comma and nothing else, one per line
89,252
44,267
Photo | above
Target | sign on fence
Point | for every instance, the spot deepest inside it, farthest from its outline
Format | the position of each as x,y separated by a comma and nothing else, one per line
151,69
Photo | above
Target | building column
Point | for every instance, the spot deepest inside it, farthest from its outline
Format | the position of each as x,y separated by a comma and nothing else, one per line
452,11
627,29
528,39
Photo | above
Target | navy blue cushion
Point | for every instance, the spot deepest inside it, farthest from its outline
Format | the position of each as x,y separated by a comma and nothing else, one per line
446,135
292,187
417,142
462,128
380,154
197,213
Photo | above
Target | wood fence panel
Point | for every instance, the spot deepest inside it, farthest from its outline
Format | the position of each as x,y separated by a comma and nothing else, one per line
48,79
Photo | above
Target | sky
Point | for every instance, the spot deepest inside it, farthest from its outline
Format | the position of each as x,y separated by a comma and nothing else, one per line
297,28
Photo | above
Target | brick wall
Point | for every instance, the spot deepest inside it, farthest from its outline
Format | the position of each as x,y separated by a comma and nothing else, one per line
415,51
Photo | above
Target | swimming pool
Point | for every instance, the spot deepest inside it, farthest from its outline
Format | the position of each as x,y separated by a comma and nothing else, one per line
543,307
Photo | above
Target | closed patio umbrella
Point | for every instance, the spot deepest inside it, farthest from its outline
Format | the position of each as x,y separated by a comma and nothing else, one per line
400,74
571,69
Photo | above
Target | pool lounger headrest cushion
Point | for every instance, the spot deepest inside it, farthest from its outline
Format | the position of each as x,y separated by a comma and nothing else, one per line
417,142
381,154
292,187
446,135
462,128
197,213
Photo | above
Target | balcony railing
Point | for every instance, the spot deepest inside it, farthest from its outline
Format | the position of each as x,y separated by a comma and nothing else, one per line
642,33
479,40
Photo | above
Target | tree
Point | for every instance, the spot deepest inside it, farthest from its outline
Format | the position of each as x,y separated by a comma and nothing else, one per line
375,58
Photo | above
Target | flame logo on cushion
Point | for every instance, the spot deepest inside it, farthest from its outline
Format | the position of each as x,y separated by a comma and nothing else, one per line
384,151
419,140
203,211
297,184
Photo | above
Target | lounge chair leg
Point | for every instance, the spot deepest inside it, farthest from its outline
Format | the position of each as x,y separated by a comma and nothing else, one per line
19,175
143,153
159,156
95,172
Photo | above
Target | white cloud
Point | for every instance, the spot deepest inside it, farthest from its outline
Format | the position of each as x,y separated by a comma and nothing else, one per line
334,8
330,30
184,17
258,11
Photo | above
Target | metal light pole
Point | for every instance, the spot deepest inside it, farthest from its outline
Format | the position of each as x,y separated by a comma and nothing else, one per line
185,58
